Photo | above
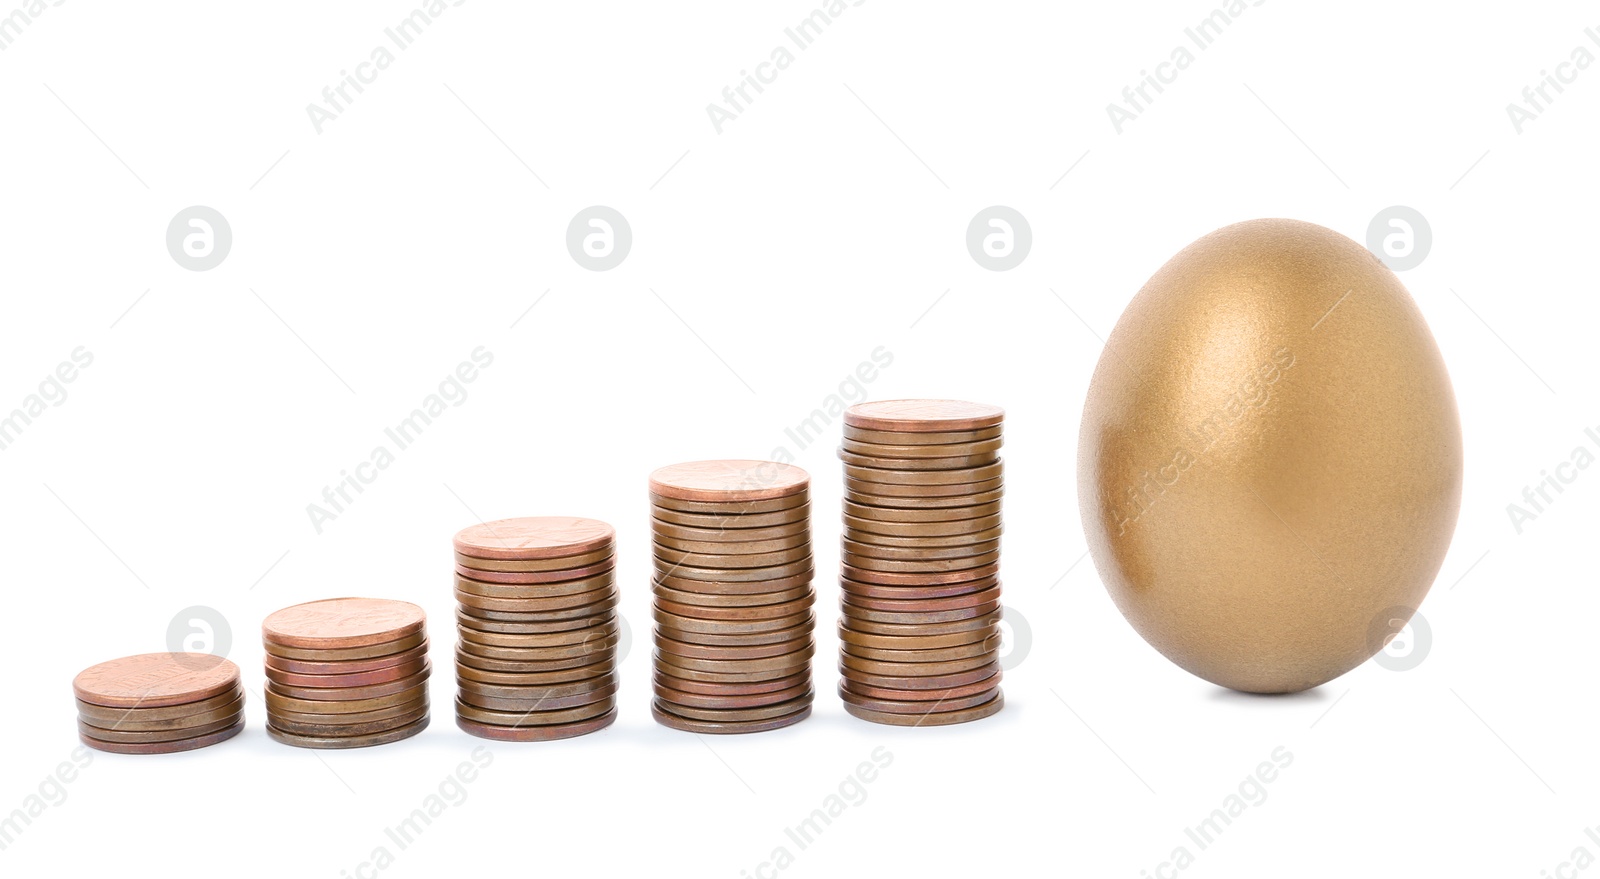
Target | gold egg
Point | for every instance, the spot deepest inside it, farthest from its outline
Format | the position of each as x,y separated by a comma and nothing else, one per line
1269,467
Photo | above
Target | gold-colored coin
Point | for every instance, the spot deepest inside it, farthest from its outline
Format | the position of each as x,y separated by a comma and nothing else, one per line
559,563
936,514
536,590
317,654
919,465
907,437
735,547
856,614
848,547
939,718
952,540
737,531
890,490
939,502
972,450
340,742
729,508
922,529
917,567
952,476
779,558
673,623
724,520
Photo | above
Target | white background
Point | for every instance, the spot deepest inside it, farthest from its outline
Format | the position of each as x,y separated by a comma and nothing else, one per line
767,263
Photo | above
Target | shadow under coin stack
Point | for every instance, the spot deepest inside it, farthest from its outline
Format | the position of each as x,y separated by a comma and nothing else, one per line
159,703
920,562
537,621
733,596
346,672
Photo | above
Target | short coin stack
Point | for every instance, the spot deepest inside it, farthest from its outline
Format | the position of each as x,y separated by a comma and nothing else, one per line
346,672
537,621
159,703
920,562
733,596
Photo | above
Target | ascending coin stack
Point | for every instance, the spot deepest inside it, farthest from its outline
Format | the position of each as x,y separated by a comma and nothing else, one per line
346,672
920,562
733,596
159,703
537,621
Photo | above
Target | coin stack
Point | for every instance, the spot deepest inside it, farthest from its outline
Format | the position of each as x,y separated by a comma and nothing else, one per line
159,703
346,672
733,596
537,620
920,562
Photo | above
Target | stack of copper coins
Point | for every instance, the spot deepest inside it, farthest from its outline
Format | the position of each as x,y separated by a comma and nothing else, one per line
920,562
733,596
159,703
537,621
346,672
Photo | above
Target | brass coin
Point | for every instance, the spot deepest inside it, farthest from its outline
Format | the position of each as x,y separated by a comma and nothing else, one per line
317,654
229,712
954,476
174,747
536,591
340,742
941,718
704,651
517,718
535,666
589,635
535,693
724,481
920,566
922,529
354,679
532,622
548,733
725,520
908,437
856,613
911,601
537,678
850,547
919,465
973,449
871,627
540,654
922,682
923,416
558,563
787,662
664,678
669,696
344,666
667,718
984,685
741,639
941,706
413,706
741,599
534,537
364,728
923,542
277,701
950,503
734,547
738,614
851,638
102,715
568,628
155,680
739,715
891,578
740,561
893,494
355,694
729,587
533,578
342,623
740,677
913,669
151,737
939,514
565,607
736,530
733,575
988,648
538,706
671,622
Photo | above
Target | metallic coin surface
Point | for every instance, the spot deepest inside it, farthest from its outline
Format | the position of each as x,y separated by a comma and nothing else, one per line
591,651
734,520
907,495
672,622
229,711
908,437
955,505
923,542
893,578
856,613
277,701
532,666
551,691
735,587
787,662
583,604
418,704
913,669
940,718
739,715
173,747
989,648
536,678
985,685
737,599
940,706
154,736
937,514
529,578
103,715
920,566
728,480
738,614
363,728
532,621
915,642
586,636
922,682
848,546
676,557
557,563
664,678
665,717
706,651
799,632
665,568
517,718
338,623
668,696
919,465
734,547
275,662
854,525
384,675
923,416
537,706
534,537
318,654
535,591
952,476
356,694
342,742
734,531
872,627
548,733
155,680
574,628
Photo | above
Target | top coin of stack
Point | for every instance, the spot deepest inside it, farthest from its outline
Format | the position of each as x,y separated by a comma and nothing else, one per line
538,630
346,672
733,596
159,703
920,562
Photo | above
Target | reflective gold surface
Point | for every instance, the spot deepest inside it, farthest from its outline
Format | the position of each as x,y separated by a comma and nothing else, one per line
1270,461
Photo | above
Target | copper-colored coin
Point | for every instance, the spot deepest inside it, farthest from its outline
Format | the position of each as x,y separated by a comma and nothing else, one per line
102,715
564,628
340,742
341,654
344,666
536,678
735,677
668,695
941,706
940,718
672,622
173,747
512,666
227,712
155,680
796,633
278,701
988,648
856,589
740,561
558,563
537,706
665,717
911,451
664,568
705,651
912,601
588,635
538,591
954,504
357,718
143,737
923,416
938,514
918,566
984,685
951,476
915,642
799,658
856,613
738,599
340,729
665,678
353,679
341,623
532,622
540,654
723,520
534,537
728,480
736,530
873,627
356,694
733,587
922,682
848,547
548,733
922,529
564,607
734,547
889,494
919,465
759,612
913,669
739,715
547,691
923,542
891,578
918,437
527,578
517,718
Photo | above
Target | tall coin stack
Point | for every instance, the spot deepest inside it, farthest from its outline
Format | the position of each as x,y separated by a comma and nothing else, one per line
733,596
346,672
159,703
537,621
920,562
